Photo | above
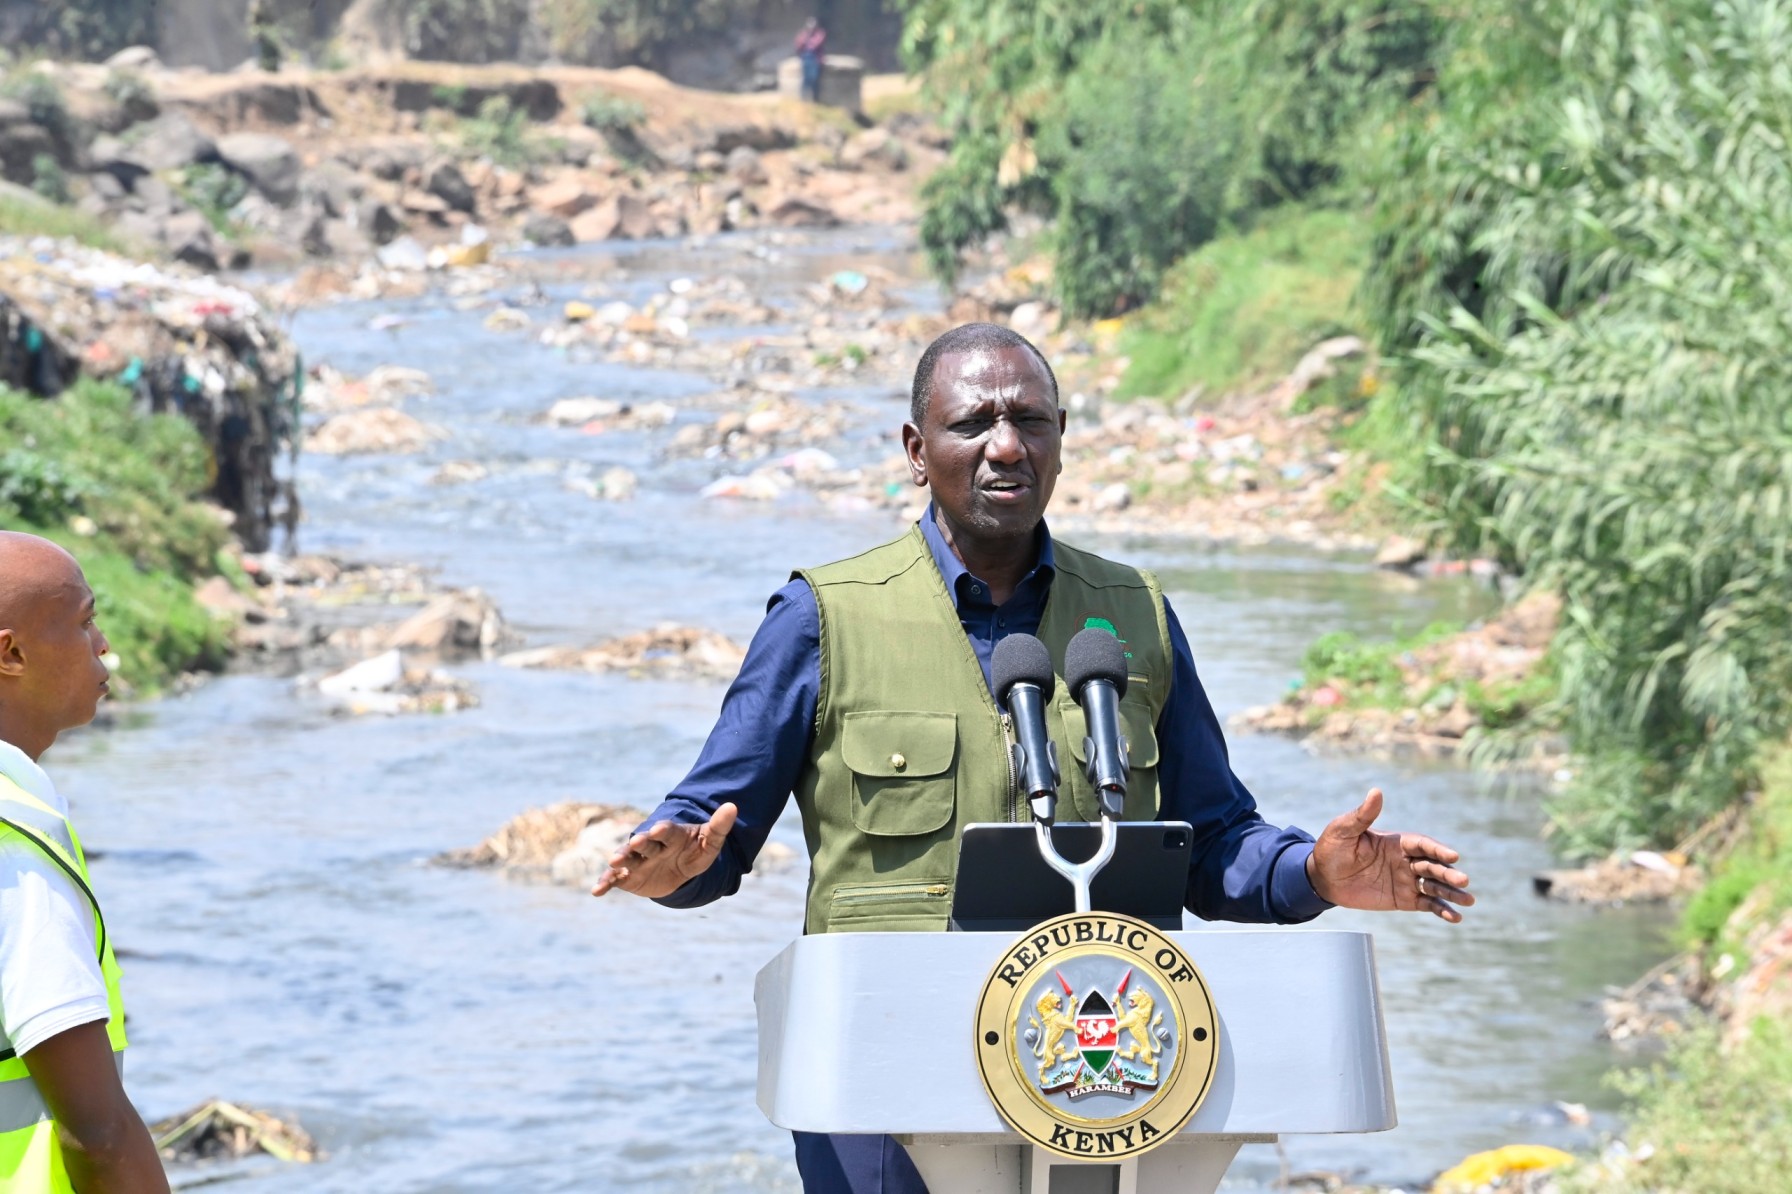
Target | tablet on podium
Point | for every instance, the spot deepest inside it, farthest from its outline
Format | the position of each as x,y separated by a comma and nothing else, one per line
1005,886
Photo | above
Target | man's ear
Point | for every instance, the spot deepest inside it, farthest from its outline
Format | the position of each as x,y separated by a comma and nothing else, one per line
12,654
914,448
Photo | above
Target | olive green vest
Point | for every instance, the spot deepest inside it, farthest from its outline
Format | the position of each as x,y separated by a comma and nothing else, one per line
909,745
30,1153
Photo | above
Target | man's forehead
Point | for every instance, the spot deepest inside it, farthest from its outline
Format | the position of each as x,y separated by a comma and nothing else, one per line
981,370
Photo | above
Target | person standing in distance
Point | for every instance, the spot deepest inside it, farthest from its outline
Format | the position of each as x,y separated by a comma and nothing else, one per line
866,692
65,1123
809,42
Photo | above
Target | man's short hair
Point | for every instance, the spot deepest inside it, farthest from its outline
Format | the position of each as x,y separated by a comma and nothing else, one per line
967,337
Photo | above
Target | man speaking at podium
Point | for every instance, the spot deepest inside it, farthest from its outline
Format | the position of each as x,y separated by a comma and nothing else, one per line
866,692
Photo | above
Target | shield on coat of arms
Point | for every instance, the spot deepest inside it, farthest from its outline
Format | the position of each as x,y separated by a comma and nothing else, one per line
1097,1034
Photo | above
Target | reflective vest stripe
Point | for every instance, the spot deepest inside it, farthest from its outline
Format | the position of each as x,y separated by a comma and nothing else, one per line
63,858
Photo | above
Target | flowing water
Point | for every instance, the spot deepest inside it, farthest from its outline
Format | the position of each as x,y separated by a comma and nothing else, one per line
265,862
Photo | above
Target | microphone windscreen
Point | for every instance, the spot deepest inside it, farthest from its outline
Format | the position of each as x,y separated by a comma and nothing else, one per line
1021,659
1094,654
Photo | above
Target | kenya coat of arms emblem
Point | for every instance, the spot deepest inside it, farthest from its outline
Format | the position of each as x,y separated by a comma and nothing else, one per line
1107,1073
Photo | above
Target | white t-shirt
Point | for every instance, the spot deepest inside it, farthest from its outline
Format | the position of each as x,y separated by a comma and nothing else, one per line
50,977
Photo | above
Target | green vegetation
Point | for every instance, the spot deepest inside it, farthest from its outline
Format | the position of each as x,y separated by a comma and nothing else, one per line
612,30
214,189
1144,129
1719,1113
31,215
1241,310
90,29
119,489
608,113
1368,673
1590,271
500,132
1719,1120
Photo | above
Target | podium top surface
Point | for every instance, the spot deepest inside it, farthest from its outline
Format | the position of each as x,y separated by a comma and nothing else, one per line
872,1032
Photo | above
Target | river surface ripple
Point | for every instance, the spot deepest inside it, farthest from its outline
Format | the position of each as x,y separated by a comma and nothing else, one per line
264,862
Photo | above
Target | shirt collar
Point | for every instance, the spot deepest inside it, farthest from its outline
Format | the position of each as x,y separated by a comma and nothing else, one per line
17,766
953,571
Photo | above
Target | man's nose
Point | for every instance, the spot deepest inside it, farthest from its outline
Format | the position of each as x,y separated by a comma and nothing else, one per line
1004,446
101,644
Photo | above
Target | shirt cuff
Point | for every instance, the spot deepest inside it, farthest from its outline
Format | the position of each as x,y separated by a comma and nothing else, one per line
1291,893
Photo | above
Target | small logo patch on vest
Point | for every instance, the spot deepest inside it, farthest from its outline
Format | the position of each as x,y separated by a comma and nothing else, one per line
1097,622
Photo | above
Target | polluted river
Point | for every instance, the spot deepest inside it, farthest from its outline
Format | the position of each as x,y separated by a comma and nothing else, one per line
266,862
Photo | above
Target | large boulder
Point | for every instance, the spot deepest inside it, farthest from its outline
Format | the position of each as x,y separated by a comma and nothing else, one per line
447,183
270,163
548,230
621,217
190,238
22,142
565,197
379,222
168,142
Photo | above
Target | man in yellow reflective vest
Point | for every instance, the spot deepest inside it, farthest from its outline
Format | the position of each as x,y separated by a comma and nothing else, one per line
65,1123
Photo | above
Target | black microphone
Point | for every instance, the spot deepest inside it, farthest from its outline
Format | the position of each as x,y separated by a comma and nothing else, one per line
1022,671
1095,670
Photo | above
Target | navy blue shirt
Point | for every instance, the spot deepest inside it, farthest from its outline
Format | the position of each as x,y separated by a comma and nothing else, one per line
1241,868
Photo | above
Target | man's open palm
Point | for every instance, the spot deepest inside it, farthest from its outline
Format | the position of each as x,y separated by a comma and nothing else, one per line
1355,865
666,857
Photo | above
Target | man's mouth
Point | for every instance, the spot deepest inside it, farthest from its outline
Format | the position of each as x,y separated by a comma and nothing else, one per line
1006,490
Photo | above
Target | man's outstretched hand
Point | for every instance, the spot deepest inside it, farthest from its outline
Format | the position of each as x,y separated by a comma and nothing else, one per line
666,857
1355,865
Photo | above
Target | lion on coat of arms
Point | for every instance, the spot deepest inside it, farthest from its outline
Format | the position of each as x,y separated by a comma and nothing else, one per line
1051,1032
1139,1021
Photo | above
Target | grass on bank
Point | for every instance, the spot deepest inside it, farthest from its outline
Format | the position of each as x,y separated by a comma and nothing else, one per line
1720,1119
119,490
31,215
1240,311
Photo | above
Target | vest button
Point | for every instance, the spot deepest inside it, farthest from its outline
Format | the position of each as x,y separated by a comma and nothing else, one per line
898,762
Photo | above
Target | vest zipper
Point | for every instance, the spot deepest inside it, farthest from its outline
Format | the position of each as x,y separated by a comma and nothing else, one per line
877,892
1013,778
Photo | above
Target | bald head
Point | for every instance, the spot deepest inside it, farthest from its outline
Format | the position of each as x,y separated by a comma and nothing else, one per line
52,673
35,573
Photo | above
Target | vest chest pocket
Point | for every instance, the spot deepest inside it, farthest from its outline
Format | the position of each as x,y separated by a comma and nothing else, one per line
903,781
1141,750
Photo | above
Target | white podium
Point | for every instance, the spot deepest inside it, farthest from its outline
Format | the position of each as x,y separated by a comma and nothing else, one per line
873,1032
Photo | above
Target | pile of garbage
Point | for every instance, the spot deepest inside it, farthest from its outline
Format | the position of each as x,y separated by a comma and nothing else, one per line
668,650
183,342
571,844
1434,716
567,843
216,1130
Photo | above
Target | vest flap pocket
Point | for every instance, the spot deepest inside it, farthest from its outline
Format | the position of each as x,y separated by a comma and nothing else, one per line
1135,725
891,745
903,781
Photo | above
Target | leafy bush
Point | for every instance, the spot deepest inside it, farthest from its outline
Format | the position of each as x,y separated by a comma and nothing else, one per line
500,132
48,180
609,113
1613,417
43,101
1720,1120
1141,127
214,189
89,454
1122,217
